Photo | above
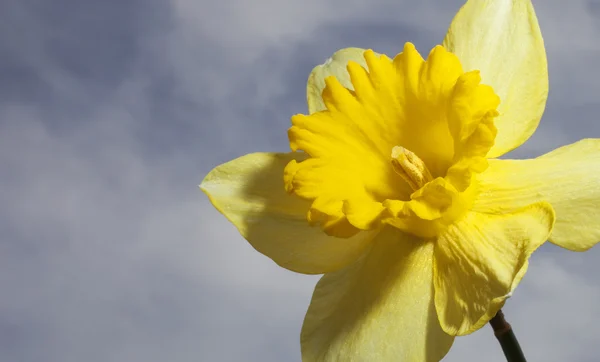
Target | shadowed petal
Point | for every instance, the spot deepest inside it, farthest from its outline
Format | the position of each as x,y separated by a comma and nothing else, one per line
481,259
249,191
335,66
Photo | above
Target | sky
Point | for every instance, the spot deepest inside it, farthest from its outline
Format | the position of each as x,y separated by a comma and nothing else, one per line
111,114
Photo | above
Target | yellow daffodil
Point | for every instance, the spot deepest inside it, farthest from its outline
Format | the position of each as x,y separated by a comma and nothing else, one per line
394,190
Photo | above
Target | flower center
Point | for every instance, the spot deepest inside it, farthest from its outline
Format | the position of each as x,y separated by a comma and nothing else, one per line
431,107
410,167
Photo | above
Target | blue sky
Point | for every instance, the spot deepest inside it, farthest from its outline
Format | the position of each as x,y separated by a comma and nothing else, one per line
112,112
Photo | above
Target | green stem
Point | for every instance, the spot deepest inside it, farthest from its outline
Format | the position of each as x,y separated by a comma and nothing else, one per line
506,337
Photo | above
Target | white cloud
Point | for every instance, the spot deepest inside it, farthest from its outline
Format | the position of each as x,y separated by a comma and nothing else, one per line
117,260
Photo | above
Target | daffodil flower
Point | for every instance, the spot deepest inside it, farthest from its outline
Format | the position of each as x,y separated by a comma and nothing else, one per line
395,192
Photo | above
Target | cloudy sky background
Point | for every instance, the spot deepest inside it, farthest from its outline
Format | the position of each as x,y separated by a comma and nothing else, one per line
112,112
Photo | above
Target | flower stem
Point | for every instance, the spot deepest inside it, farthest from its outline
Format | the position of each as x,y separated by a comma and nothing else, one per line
506,337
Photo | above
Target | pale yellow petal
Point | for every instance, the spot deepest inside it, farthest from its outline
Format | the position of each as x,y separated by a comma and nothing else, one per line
503,40
568,178
335,66
250,192
377,309
480,260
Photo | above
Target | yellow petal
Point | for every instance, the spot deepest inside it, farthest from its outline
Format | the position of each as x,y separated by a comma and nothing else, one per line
503,40
377,309
407,103
568,178
334,66
250,192
480,260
